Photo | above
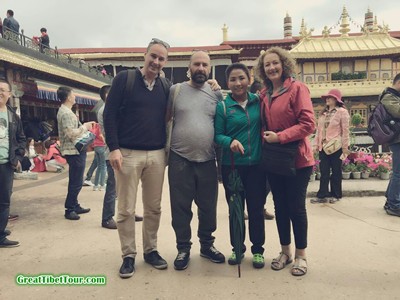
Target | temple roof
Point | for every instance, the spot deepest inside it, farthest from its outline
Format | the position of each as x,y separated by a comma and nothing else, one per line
373,44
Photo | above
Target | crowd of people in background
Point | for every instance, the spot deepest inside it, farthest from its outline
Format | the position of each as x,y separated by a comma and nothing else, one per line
131,142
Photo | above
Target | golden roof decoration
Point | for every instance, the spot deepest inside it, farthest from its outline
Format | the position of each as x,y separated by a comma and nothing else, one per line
353,46
304,32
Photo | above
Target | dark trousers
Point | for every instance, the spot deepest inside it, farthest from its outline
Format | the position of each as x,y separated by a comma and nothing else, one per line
76,165
254,194
289,194
328,163
190,181
6,185
110,195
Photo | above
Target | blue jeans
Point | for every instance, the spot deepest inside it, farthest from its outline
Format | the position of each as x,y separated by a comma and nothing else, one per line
110,195
6,185
393,190
76,171
100,157
92,168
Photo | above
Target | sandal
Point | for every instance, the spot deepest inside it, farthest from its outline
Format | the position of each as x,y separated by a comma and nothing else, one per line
279,263
299,267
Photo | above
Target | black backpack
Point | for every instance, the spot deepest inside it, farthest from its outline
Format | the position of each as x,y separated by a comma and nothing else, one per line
382,127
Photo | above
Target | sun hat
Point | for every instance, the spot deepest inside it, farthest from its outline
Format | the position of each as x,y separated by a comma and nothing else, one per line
335,93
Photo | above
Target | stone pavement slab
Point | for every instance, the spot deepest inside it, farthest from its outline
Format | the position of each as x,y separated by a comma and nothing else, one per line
352,253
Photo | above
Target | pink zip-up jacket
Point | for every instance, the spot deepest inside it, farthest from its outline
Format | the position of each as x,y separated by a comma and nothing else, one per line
289,113
338,126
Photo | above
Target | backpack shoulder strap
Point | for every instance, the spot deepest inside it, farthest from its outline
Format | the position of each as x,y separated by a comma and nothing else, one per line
130,81
176,93
166,85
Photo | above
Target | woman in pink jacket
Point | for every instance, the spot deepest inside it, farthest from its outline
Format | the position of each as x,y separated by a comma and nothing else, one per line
54,161
332,143
289,116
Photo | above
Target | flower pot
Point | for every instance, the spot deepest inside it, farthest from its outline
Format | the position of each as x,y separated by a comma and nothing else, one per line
312,177
346,175
385,176
365,175
356,175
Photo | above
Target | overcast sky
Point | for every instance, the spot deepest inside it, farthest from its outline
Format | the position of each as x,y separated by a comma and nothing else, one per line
132,23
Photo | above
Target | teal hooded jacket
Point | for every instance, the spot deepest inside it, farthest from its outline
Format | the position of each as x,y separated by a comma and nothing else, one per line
232,121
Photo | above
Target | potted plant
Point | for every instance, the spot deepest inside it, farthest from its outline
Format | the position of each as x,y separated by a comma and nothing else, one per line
347,168
356,172
363,162
384,171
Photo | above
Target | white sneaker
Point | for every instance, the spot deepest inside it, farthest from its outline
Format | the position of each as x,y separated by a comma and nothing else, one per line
88,183
102,187
95,188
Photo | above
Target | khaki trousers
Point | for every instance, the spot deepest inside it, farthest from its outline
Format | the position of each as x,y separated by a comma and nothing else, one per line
149,167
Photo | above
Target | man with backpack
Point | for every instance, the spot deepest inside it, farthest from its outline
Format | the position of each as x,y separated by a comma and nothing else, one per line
134,123
390,98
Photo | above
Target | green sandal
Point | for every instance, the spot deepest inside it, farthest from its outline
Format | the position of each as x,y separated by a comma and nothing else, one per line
278,264
299,267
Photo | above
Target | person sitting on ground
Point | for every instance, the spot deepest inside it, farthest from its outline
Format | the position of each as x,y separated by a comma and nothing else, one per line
38,164
54,161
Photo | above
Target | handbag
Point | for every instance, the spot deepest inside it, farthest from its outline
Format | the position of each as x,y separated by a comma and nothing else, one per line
333,145
82,142
280,158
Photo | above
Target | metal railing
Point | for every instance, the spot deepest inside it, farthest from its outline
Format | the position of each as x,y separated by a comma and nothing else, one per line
29,43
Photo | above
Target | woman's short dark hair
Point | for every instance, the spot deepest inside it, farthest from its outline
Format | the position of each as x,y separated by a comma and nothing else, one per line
63,92
236,66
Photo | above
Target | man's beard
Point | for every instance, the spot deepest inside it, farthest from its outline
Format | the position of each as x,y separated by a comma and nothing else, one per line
199,77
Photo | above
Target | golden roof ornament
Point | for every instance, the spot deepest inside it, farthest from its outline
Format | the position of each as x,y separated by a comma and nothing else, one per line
326,32
225,33
384,28
375,28
304,33
344,30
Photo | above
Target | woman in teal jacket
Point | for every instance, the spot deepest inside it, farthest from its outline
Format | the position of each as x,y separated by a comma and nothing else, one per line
238,131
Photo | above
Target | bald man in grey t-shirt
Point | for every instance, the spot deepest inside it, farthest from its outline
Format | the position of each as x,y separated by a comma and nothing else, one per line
192,171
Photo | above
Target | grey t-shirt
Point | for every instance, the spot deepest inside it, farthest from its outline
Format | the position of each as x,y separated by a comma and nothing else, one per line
193,129
4,138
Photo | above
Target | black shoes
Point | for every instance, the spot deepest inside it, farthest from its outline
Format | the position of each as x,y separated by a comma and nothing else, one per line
153,258
7,232
127,268
6,243
213,254
71,215
109,224
80,210
182,260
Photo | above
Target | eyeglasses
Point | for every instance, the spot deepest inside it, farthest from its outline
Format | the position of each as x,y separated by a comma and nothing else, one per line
4,91
155,41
